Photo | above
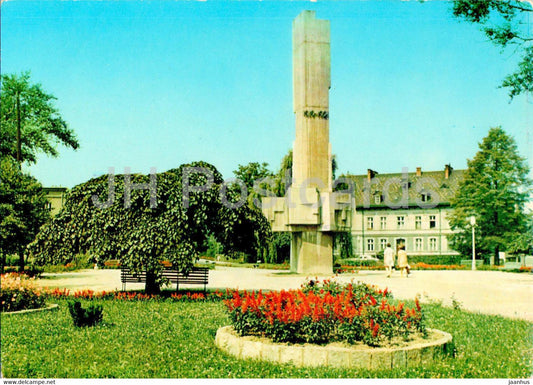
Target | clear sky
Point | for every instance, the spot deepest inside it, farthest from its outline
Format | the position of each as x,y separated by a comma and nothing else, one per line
157,84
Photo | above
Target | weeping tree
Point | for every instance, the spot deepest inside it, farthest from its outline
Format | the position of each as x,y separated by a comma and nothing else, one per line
145,219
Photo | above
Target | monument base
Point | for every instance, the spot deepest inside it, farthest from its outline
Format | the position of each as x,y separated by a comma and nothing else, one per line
312,252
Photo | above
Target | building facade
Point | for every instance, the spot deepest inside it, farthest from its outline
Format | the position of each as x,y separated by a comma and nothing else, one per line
408,209
56,198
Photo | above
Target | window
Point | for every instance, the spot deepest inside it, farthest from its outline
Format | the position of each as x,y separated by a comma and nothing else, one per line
377,199
433,244
370,223
426,197
418,222
401,221
382,243
383,221
432,221
418,244
370,245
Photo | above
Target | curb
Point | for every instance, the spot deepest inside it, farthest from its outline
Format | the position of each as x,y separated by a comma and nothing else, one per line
53,306
335,356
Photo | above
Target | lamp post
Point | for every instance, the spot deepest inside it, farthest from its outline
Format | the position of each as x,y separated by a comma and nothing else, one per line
473,224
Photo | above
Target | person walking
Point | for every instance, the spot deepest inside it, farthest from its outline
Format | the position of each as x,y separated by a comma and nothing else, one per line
402,261
388,259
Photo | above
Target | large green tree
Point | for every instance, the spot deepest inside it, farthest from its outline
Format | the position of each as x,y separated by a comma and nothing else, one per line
23,209
505,23
30,123
112,217
495,190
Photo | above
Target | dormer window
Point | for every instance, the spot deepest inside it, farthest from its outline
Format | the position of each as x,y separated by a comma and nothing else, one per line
425,197
378,198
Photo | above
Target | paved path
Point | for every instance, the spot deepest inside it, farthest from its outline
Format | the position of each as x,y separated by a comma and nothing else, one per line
490,292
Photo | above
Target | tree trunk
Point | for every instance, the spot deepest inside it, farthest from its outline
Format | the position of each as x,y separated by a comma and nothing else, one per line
19,141
497,255
21,261
151,287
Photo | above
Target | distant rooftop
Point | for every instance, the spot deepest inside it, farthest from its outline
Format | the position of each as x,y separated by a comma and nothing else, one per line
422,188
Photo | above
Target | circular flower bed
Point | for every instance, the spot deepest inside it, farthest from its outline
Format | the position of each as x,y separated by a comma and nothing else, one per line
324,312
414,352
18,292
325,323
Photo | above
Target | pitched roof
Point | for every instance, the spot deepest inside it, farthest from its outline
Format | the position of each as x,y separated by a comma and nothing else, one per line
393,189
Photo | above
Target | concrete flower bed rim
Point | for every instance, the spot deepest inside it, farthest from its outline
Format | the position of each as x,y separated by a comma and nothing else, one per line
53,306
247,347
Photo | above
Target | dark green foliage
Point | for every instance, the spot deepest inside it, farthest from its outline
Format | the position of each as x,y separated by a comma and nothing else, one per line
343,242
495,189
280,247
90,316
436,259
140,236
504,23
26,107
23,209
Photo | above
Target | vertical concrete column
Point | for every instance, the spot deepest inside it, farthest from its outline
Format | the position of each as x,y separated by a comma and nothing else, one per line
311,249
311,83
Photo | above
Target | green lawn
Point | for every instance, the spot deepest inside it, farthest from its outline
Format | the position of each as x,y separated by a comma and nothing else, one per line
165,339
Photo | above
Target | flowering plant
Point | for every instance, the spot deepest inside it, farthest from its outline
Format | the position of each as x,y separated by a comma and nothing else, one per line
427,266
18,292
89,294
323,312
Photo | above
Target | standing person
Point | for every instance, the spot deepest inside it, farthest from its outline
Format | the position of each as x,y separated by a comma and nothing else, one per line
402,260
388,259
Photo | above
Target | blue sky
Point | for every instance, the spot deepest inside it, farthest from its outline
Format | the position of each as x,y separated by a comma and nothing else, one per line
157,84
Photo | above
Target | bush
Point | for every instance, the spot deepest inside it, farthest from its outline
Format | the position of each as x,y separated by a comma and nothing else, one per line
435,259
30,271
85,317
19,293
324,312
360,262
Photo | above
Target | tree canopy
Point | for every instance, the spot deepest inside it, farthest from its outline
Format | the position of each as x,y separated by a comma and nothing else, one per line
23,209
30,123
118,217
495,190
504,22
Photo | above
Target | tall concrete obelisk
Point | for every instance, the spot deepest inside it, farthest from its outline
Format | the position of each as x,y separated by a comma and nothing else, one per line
311,83
310,211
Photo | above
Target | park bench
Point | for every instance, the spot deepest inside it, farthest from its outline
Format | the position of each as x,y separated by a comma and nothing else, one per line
197,276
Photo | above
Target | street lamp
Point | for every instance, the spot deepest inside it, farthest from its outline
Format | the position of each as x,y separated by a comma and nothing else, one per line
473,223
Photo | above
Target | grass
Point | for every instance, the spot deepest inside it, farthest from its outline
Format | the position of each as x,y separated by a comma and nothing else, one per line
172,340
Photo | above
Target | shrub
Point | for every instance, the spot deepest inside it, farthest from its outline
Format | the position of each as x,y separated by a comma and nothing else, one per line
322,312
435,259
85,317
19,293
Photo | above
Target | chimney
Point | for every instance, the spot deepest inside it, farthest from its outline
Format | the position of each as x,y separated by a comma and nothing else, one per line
447,171
370,174
419,171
